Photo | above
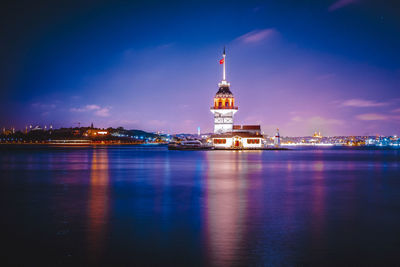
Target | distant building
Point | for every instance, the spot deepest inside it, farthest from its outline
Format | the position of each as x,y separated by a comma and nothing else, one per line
96,132
277,139
317,135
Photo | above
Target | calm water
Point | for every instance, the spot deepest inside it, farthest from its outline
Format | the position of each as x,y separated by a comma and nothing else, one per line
148,206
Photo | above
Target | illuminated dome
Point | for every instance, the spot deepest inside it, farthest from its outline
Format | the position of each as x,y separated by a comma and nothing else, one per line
224,98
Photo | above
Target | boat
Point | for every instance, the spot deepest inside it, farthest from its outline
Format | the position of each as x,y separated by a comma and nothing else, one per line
189,145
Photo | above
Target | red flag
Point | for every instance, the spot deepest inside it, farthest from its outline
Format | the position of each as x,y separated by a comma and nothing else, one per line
222,61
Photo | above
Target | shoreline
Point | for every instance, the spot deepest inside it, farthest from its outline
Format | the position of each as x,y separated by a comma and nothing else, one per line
87,144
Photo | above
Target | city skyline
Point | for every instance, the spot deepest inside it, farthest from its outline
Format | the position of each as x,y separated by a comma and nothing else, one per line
333,67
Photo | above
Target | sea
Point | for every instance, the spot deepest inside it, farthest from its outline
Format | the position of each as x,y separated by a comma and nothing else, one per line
148,206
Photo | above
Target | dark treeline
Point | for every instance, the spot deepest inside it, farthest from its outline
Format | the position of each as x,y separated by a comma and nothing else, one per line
82,133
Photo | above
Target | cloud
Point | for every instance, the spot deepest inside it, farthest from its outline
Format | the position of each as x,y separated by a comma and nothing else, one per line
397,110
317,120
103,112
43,106
297,119
362,103
165,46
183,106
97,110
256,36
86,108
340,4
372,117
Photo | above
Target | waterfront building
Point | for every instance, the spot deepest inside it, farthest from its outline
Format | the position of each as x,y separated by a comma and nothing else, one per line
237,140
226,134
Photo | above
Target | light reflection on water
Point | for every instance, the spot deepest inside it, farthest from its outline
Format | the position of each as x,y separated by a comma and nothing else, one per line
226,205
150,206
98,203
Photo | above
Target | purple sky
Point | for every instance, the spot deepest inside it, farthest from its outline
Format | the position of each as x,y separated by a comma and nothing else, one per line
330,66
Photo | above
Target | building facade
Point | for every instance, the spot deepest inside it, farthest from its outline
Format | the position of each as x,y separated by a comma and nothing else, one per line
237,140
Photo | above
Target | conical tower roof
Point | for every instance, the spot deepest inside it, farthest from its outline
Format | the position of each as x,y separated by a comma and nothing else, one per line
224,91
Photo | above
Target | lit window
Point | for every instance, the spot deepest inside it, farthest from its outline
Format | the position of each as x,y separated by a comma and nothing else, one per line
253,141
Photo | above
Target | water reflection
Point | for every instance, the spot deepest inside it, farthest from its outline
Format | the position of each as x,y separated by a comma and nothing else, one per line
98,202
209,208
318,201
226,205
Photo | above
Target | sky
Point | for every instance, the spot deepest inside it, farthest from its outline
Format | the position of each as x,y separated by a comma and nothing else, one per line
300,66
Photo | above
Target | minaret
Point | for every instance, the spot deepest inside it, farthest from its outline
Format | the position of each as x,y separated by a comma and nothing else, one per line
224,104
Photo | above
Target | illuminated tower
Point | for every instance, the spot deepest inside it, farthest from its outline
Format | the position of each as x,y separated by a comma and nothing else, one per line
224,104
277,139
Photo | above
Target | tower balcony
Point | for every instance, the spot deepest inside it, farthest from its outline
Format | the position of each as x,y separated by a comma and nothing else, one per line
224,107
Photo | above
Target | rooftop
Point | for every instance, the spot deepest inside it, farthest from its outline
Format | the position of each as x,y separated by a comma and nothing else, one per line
240,134
224,91
247,127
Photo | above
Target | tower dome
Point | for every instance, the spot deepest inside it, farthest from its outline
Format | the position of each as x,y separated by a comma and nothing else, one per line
224,91
224,98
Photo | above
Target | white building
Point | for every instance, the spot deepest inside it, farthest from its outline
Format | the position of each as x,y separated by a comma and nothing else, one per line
237,140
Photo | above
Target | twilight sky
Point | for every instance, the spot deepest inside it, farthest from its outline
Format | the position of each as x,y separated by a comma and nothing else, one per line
331,66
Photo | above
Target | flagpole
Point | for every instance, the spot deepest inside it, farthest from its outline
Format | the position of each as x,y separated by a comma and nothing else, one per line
223,76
